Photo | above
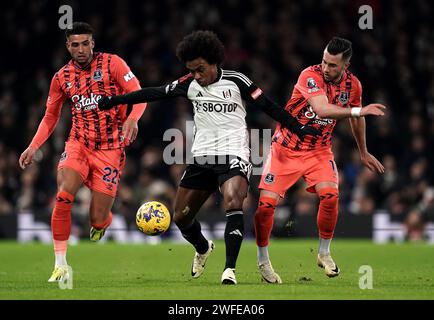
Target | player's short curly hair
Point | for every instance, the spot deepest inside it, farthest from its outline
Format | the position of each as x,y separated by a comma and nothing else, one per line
201,44
79,28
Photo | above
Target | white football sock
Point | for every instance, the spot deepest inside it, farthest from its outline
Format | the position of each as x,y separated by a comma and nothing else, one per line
61,259
263,254
324,246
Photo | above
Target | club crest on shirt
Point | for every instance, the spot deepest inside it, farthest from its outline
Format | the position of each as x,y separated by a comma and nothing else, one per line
343,97
227,94
97,75
269,178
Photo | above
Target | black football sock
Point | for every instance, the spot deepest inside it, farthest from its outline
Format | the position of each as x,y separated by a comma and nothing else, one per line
234,233
193,235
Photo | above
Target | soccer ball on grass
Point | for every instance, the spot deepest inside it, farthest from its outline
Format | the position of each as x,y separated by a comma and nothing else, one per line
153,218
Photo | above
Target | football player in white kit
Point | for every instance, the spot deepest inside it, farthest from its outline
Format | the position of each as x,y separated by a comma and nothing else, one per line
220,147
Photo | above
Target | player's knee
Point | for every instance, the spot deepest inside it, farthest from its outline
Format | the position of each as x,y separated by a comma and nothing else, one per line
233,200
68,182
64,187
233,203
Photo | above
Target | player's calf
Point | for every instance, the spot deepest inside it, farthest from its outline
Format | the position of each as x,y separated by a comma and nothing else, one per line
327,218
327,212
61,217
61,227
264,218
234,234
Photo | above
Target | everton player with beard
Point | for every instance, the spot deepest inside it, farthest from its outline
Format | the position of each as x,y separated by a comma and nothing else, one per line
323,94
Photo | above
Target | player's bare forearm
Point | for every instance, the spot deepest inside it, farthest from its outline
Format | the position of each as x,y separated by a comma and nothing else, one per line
358,128
324,109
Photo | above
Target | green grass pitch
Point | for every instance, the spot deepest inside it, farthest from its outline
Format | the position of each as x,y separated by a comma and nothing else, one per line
162,272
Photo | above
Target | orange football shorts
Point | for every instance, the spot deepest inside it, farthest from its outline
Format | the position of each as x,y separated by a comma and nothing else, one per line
100,169
285,166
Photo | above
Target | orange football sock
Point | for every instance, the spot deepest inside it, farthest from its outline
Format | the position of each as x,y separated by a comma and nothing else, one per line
327,212
264,218
61,217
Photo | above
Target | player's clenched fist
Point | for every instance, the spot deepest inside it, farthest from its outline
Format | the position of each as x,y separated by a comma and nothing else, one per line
26,157
373,109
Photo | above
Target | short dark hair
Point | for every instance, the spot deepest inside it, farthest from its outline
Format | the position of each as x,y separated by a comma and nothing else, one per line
201,44
340,45
79,28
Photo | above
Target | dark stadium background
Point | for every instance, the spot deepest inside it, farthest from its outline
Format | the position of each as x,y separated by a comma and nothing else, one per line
271,42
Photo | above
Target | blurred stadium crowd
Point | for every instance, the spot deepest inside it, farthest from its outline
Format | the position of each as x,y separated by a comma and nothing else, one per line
271,42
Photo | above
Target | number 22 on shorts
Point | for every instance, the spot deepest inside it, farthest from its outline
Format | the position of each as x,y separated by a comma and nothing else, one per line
111,175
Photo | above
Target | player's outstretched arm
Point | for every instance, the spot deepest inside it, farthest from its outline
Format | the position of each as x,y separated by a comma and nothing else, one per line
55,100
177,88
140,96
45,129
324,109
281,115
253,94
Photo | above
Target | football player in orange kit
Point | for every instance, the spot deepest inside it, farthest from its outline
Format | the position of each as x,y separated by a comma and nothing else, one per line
94,151
322,94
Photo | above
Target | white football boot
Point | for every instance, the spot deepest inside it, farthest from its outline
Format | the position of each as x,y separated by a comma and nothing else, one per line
330,267
268,274
228,276
199,261
60,274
